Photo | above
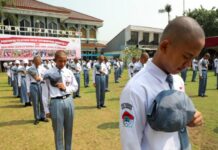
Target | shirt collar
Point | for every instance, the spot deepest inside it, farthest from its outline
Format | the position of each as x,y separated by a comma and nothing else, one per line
58,68
156,71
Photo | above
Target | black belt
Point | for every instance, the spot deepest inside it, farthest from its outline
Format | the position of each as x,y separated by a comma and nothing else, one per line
23,76
99,74
204,70
34,83
61,97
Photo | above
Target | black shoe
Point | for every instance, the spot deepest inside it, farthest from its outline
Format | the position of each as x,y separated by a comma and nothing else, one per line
26,104
107,91
99,107
78,96
36,122
103,106
44,120
29,104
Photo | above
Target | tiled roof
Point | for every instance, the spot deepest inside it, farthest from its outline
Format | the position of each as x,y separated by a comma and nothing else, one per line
40,6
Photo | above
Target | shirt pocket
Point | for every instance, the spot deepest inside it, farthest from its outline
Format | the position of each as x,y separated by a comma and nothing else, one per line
68,80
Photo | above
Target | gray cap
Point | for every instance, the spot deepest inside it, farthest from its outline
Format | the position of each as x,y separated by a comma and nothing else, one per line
171,111
54,78
32,71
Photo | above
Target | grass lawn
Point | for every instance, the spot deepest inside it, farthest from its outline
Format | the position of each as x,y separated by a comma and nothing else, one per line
95,129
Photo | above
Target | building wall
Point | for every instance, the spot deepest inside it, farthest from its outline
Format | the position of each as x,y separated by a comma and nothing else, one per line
117,43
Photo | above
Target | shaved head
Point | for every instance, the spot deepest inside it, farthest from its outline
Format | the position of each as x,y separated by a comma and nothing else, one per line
181,41
60,53
182,29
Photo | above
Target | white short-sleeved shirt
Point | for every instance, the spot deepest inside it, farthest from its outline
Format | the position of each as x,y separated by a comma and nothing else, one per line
136,98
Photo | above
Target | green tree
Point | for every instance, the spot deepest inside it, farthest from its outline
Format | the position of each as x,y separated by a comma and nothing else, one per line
167,9
208,19
129,53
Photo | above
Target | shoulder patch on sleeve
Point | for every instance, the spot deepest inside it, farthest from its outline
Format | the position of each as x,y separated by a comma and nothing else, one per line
128,119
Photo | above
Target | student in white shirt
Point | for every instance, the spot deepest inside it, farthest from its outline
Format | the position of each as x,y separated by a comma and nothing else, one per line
194,69
174,53
22,83
34,89
99,72
86,67
203,67
76,71
141,63
216,65
131,66
61,104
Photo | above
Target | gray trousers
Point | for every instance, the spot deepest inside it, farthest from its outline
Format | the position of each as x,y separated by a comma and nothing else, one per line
100,89
106,81
77,76
116,74
36,97
62,113
184,74
194,74
15,86
23,91
86,77
202,84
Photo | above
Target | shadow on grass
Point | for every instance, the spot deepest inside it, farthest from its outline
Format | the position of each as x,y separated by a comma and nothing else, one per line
89,92
14,101
12,106
108,125
85,107
194,96
15,123
215,130
113,99
4,85
5,89
8,97
212,89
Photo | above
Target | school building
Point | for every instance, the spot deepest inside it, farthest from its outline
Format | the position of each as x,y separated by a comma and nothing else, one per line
35,18
144,38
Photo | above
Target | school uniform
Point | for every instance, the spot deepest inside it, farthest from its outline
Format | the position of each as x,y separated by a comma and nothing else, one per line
136,99
216,64
116,71
99,72
86,68
35,90
137,67
130,69
215,61
76,71
22,84
184,74
16,91
9,74
108,66
194,69
62,106
203,67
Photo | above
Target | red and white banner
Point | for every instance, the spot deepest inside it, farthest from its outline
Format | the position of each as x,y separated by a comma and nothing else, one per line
20,47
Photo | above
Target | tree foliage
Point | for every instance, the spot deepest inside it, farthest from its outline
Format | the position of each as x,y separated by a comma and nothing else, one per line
129,53
208,19
168,9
